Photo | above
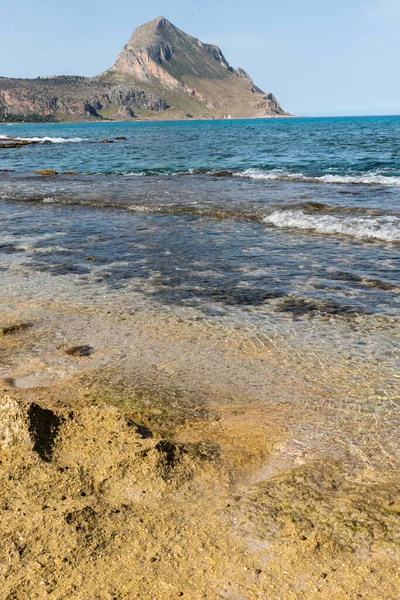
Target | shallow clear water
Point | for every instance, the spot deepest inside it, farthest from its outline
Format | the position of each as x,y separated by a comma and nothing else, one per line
277,219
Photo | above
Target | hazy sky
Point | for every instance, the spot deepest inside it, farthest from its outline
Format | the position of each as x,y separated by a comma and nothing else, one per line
319,57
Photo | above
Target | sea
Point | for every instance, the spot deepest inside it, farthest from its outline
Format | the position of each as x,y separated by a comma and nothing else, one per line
283,227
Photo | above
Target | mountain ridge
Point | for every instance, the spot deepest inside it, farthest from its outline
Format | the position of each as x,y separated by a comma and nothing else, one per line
161,73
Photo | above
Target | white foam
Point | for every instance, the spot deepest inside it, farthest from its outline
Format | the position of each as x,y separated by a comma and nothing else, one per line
135,174
53,140
47,250
281,174
142,209
386,228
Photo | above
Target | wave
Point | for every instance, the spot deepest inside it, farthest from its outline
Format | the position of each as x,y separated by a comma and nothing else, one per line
42,140
385,228
361,223
360,179
372,178
171,172
212,212
369,178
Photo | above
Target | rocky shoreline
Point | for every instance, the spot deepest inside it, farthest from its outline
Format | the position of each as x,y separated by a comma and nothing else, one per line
15,143
147,457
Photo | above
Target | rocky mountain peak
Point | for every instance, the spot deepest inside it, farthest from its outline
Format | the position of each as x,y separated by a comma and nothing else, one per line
160,49
146,33
156,31
161,22
160,68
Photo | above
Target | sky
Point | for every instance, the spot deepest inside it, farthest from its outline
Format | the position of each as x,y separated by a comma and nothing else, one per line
319,57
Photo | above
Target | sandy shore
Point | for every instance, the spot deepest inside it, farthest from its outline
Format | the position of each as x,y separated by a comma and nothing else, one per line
147,456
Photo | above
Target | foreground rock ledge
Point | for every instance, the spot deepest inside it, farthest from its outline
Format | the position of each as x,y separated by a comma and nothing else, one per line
94,505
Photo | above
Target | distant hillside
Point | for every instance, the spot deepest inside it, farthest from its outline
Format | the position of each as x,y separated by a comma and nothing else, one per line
162,73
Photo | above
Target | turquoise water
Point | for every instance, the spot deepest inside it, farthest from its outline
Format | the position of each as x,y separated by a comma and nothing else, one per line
294,217
344,149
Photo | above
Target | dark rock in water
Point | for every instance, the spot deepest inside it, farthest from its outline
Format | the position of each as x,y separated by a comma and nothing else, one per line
15,328
46,172
222,174
121,137
309,306
317,207
79,351
11,143
107,141
69,173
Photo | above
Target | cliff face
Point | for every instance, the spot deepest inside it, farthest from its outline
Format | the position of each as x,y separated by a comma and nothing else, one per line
160,55
72,96
161,73
159,49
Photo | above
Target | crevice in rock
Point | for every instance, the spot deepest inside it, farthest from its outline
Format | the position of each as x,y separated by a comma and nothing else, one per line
44,425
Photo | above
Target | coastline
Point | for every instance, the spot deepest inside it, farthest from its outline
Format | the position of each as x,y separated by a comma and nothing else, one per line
266,476
199,375
150,120
200,311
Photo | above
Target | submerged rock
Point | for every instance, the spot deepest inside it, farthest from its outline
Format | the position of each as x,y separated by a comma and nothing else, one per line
79,350
12,143
222,174
46,172
14,328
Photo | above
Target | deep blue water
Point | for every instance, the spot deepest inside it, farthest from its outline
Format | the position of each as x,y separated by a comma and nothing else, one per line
294,216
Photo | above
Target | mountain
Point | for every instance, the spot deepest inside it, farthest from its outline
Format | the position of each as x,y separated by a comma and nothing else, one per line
162,73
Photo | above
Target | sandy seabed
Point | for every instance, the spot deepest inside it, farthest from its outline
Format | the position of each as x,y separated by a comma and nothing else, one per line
148,457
